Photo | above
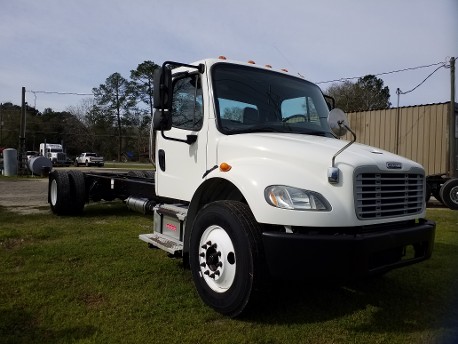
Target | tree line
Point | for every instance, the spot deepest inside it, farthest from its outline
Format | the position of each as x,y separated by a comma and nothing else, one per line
115,122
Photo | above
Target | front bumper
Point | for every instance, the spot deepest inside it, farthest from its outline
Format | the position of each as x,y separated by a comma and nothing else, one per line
344,256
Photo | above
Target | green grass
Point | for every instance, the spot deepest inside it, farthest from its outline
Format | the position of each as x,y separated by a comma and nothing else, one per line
90,280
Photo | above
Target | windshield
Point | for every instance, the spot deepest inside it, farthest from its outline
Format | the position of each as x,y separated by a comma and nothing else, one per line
257,100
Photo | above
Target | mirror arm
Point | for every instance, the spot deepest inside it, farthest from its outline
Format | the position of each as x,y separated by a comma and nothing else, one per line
190,139
346,146
200,67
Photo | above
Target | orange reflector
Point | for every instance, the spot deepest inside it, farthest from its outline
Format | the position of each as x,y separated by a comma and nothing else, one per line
284,70
225,167
273,199
251,62
221,57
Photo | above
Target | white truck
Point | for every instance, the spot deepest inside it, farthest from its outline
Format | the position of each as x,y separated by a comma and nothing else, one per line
89,159
54,152
252,183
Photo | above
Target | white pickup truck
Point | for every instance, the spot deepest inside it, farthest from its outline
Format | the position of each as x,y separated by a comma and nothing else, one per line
89,159
253,183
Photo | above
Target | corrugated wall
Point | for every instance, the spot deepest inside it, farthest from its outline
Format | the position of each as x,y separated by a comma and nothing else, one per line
423,133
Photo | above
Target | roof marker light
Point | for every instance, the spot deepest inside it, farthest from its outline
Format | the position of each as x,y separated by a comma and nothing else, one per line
268,66
221,57
251,62
284,70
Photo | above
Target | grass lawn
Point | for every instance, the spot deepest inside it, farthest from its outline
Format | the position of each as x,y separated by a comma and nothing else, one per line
90,280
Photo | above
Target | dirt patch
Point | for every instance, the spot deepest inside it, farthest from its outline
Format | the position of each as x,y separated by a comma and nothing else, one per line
24,195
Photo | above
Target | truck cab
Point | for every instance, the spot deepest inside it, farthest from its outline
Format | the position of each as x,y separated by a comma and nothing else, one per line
54,152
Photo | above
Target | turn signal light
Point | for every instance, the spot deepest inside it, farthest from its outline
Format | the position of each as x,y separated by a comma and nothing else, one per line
225,167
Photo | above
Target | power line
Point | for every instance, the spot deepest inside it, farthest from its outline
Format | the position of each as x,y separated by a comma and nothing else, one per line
398,91
442,64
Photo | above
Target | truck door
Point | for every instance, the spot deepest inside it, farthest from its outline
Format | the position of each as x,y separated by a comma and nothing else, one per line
179,165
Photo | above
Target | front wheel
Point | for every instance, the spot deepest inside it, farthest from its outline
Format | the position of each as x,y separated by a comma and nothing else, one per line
226,256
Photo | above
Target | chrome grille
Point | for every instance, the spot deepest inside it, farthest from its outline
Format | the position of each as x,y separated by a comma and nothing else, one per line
61,156
383,195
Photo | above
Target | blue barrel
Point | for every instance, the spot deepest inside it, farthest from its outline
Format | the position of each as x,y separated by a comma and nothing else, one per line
10,162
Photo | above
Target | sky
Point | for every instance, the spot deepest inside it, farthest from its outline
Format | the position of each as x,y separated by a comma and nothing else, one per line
73,46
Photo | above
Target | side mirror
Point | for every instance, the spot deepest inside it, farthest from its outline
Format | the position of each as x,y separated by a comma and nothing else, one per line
162,120
338,122
162,93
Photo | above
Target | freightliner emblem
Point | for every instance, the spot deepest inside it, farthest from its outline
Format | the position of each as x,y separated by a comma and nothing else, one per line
394,165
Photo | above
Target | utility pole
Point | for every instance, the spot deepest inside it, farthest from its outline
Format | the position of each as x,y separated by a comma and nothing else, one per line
21,154
398,122
453,130
1,124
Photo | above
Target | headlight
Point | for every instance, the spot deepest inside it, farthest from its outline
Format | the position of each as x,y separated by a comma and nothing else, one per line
287,197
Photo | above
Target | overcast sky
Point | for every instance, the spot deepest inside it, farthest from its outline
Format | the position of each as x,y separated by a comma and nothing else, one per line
74,45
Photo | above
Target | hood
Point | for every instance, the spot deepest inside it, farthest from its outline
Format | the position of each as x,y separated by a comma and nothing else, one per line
308,150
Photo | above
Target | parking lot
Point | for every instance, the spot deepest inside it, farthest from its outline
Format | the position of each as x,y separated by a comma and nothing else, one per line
24,195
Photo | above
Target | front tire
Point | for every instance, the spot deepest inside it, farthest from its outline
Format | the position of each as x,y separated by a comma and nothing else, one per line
226,256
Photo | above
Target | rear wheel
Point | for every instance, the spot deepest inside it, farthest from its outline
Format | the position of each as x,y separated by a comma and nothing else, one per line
226,256
77,191
59,196
66,192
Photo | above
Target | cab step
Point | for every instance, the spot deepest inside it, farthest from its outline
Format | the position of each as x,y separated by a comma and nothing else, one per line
163,242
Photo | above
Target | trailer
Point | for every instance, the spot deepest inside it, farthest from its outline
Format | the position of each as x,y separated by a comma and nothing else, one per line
427,134
252,183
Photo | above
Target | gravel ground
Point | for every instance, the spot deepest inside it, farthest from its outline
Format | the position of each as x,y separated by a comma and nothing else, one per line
24,195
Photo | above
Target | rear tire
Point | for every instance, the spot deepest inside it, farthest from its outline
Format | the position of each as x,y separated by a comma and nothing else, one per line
66,192
59,194
77,191
226,257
